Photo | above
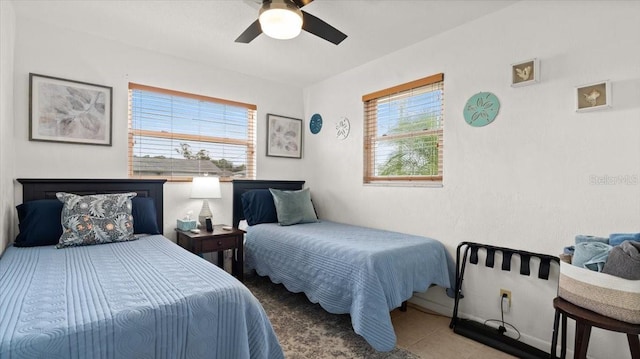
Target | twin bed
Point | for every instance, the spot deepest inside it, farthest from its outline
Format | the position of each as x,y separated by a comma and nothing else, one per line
146,298
346,269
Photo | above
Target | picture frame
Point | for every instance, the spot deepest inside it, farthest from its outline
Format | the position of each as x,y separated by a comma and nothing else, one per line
68,111
593,96
525,73
284,136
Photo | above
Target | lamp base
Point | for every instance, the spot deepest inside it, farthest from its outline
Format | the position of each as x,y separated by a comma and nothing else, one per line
205,213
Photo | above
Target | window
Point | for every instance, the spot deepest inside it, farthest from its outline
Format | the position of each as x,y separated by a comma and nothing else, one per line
403,132
177,135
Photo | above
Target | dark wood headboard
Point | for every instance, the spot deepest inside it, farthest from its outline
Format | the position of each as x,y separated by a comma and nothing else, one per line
46,188
242,186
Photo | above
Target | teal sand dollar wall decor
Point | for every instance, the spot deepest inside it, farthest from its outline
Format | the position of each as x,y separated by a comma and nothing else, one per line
481,109
315,125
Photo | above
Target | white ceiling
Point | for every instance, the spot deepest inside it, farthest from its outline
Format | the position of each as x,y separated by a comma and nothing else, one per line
204,31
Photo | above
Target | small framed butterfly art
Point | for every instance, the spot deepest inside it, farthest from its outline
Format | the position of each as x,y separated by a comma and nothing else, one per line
595,96
525,73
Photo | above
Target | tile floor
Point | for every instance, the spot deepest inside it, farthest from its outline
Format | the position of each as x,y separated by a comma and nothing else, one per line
429,336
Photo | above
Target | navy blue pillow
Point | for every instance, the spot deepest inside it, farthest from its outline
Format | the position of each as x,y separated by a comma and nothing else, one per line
39,223
143,210
258,207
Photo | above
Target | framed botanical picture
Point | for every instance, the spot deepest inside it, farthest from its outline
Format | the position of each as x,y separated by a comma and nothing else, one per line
595,96
69,111
284,136
525,73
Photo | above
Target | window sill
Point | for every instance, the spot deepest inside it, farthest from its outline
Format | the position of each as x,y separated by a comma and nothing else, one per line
404,184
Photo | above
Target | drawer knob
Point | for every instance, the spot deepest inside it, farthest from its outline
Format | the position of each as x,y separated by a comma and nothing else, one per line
219,243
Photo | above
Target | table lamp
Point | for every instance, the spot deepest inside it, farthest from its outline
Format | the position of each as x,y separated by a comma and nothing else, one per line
205,188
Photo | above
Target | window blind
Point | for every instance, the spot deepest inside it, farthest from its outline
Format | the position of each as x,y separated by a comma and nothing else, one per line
404,132
177,135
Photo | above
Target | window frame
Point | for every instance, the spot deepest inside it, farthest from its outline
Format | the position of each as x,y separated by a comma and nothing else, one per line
371,138
250,142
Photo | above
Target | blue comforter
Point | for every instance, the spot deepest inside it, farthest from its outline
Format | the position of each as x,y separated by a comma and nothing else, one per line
142,299
349,269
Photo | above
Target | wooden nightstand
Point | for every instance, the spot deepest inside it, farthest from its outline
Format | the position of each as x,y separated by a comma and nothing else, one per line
217,241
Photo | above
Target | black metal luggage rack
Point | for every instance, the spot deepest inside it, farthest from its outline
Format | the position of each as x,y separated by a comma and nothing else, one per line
479,331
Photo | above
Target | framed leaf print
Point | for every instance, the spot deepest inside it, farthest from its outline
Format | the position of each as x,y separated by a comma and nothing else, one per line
284,136
69,111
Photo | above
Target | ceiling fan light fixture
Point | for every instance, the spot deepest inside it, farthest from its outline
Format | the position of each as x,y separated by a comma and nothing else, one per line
280,19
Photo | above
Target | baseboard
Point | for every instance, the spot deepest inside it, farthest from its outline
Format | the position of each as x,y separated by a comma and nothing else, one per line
432,306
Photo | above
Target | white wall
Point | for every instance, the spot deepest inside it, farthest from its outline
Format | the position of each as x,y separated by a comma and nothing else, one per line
58,52
7,37
523,182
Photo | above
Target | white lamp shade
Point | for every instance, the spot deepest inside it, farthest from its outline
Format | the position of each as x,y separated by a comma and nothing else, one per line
205,187
280,21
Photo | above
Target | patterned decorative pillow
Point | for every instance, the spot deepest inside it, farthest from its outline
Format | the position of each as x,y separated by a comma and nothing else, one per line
95,219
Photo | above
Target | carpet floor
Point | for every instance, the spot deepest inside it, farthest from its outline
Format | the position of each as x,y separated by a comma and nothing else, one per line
305,330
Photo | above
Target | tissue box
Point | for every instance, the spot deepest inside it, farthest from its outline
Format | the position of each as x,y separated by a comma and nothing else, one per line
187,225
602,293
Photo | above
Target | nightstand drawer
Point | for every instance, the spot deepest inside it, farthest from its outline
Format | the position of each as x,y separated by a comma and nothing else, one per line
218,244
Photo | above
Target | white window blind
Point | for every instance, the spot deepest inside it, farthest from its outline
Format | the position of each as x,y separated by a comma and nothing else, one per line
404,132
177,135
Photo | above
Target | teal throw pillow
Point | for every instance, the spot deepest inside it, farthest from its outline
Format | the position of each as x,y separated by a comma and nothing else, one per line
293,207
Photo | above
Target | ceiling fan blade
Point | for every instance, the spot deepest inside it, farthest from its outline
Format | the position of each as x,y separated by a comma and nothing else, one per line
302,3
321,29
250,33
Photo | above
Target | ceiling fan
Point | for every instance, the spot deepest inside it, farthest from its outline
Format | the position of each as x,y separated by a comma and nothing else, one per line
283,19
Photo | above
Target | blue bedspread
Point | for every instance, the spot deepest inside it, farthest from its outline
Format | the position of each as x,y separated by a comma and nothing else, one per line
141,299
349,269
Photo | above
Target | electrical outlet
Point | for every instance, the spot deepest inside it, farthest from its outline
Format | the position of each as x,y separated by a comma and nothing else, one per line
508,293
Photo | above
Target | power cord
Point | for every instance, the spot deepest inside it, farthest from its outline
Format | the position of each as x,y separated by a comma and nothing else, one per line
502,329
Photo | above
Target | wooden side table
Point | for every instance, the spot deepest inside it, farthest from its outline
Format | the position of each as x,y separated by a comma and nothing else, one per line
217,241
585,319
